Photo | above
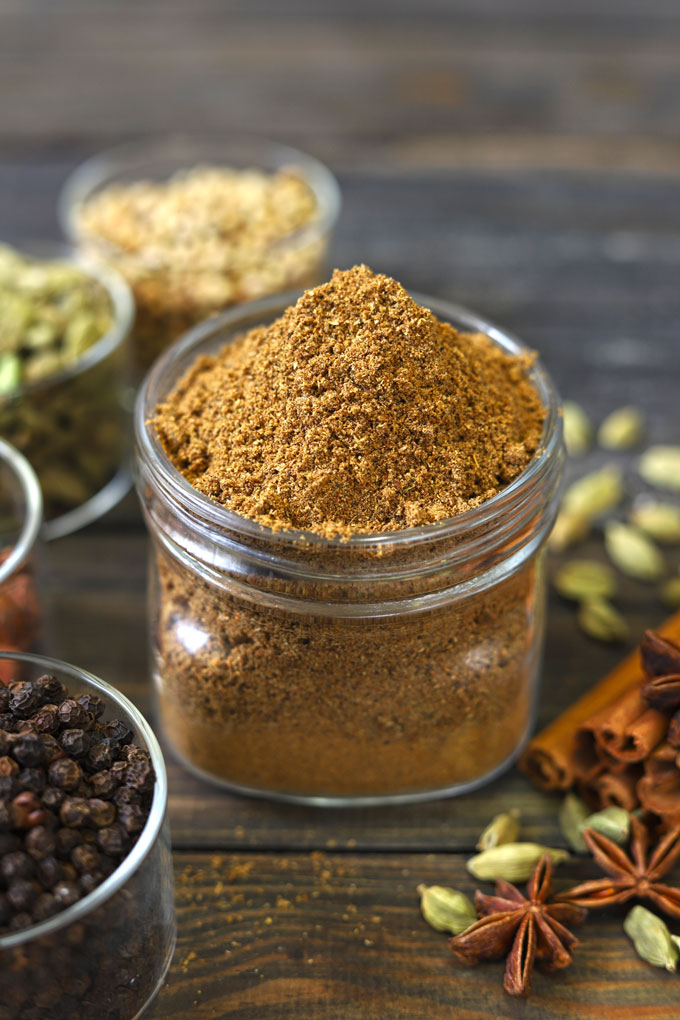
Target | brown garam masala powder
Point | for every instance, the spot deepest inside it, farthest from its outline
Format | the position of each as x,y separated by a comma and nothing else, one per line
357,412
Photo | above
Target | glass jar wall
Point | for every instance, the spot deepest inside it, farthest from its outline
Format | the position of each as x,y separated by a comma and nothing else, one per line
395,666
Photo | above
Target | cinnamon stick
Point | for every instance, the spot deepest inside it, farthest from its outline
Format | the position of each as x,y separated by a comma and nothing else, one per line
618,789
549,759
630,730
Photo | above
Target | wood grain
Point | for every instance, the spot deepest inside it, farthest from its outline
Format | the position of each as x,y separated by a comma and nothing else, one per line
340,937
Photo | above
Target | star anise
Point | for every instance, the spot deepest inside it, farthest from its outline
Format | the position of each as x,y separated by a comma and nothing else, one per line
526,929
632,875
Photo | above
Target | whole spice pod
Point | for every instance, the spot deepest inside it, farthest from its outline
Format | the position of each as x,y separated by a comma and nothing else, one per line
578,432
621,429
633,552
581,580
572,815
612,821
446,909
503,828
660,466
514,862
569,529
600,620
660,521
594,493
651,938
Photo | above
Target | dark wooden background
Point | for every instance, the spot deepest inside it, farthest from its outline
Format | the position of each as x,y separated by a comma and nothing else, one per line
520,156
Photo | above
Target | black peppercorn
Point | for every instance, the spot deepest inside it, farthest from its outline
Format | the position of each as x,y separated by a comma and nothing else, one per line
9,841
40,842
45,906
118,731
66,839
85,858
8,766
75,812
103,784
31,779
126,795
9,787
49,871
75,742
27,811
112,840
50,688
22,893
24,699
92,704
66,894
53,748
16,865
46,719
72,715
29,750
64,773
131,817
103,754
52,798
6,739
102,813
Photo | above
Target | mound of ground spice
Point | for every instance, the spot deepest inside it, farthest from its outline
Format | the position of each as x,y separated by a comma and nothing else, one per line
357,411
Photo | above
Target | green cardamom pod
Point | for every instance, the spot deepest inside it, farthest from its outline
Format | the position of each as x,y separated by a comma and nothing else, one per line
595,493
612,821
446,909
670,593
578,432
632,552
600,620
621,429
568,529
651,938
660,521
503,828
580,580
660,466
572,814
514,862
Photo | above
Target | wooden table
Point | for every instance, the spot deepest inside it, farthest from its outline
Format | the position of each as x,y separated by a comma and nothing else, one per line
521,157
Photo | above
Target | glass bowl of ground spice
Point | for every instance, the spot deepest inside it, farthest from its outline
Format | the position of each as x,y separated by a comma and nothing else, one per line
87,922
349,497
20,520
196,225
64,322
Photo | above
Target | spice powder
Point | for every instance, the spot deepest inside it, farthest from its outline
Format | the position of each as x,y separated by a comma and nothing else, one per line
356,412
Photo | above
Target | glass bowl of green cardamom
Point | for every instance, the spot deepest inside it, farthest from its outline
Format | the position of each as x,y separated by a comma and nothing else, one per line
64,384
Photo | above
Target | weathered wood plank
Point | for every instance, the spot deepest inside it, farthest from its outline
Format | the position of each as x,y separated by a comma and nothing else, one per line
340,937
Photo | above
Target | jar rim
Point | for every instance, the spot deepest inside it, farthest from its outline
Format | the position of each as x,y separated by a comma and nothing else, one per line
193,148
122,307
32,522
202,507
152,826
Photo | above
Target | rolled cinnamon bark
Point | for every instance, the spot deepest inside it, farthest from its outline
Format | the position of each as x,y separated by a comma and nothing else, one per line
659,788
618,789
549,759
630,730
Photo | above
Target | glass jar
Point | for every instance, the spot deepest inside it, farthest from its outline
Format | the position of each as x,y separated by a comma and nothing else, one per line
171,298
20,520
73,426
390,667
105,957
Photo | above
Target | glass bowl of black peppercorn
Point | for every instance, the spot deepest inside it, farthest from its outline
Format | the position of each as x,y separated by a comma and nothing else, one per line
87,918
